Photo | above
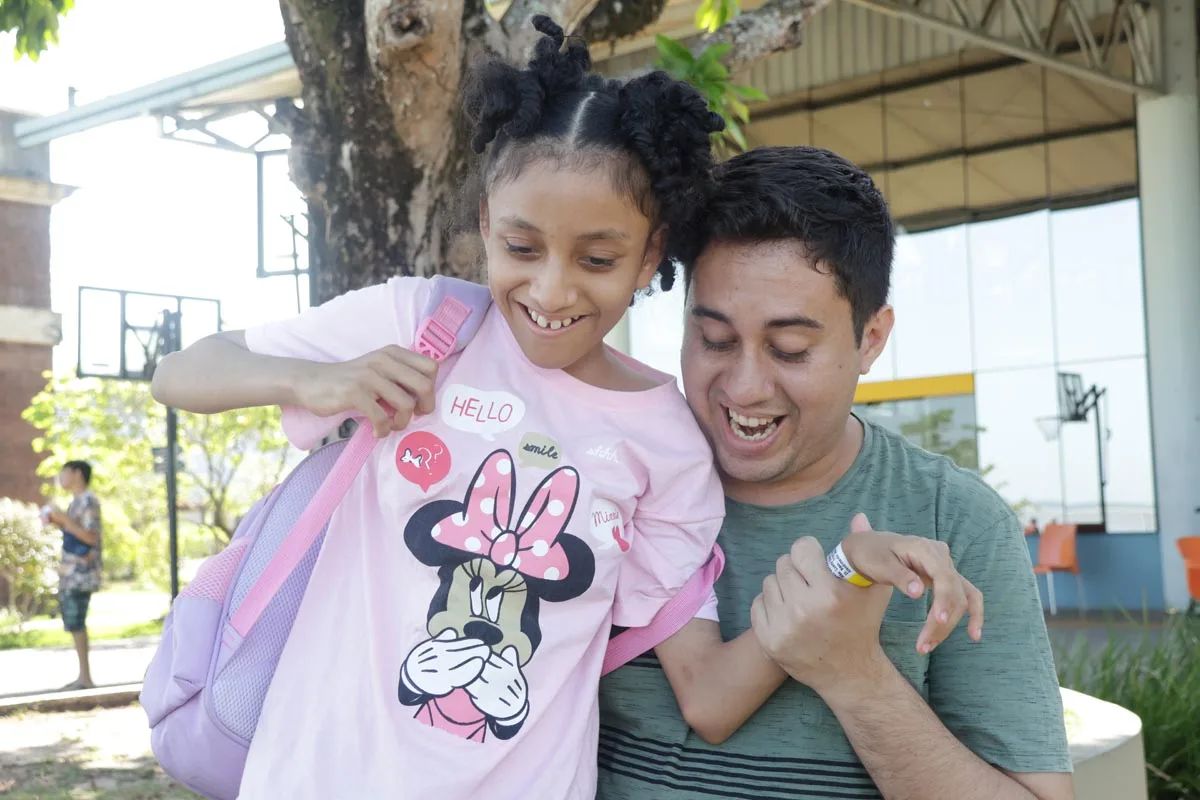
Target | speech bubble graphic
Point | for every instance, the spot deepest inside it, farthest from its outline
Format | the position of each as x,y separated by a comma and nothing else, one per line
476,411
606,525
537,450
422,458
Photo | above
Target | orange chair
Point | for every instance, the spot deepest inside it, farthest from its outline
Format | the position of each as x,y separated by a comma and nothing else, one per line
1189,548
1056,553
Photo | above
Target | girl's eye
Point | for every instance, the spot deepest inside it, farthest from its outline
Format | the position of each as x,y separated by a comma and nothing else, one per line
599,263
518,249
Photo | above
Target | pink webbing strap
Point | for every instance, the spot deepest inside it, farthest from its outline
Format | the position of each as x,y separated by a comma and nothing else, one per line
629,644
435,338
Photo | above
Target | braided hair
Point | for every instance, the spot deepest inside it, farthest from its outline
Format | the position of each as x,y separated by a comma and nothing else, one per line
652,132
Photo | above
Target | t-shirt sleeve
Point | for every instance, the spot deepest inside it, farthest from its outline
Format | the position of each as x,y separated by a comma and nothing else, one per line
1000,696
672,532
342,329
708,611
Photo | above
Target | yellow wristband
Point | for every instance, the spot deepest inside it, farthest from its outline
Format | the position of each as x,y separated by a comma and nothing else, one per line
840,566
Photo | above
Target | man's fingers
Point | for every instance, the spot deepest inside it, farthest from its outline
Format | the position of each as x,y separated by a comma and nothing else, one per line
860,524
771,593
808,557
931,558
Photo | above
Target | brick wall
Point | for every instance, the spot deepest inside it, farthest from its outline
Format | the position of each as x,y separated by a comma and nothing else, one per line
24,281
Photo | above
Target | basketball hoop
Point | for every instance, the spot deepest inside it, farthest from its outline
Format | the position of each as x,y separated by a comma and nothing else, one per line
1050,427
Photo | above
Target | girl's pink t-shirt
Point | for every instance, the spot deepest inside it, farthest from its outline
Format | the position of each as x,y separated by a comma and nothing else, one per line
450,642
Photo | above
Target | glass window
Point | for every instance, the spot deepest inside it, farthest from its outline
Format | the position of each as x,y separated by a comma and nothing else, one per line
1099,311
1015,457
1010,290
1125,407
930,292
943,425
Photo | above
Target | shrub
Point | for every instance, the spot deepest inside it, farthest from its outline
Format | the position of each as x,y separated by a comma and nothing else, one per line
1159,680
28,558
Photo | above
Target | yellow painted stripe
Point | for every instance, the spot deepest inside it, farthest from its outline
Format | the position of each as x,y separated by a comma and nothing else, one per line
914,388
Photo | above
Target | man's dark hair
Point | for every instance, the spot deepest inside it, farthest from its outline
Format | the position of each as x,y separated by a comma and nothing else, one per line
820,200
651,132
83,468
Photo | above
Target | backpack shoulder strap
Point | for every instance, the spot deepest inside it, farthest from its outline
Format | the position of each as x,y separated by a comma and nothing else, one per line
452,315
632,642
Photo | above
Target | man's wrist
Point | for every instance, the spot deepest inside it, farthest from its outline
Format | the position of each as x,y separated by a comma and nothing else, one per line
866,679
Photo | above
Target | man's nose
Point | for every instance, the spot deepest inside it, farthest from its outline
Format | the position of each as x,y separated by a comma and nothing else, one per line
749,381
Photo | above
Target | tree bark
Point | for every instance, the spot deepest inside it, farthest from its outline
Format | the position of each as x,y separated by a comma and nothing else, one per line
378,147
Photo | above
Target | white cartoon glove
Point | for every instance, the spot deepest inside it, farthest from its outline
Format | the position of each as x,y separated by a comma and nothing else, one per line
501,692
444,663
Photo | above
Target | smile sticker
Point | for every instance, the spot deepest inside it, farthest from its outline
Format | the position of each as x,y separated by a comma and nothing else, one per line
422,458
537,450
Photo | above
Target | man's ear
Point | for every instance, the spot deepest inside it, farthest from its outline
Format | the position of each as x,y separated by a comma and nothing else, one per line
875,337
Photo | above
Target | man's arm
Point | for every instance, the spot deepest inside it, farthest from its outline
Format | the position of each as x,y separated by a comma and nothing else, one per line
825,634
89,537
877,705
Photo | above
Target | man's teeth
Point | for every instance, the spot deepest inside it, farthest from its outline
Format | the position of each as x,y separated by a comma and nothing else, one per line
752,429
554,325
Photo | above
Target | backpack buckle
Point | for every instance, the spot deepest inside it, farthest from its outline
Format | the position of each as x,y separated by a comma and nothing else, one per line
439,333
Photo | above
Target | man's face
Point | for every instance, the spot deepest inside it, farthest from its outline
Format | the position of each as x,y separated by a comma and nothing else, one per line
770,360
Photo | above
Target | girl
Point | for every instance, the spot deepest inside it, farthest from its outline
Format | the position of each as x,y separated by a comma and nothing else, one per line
553,488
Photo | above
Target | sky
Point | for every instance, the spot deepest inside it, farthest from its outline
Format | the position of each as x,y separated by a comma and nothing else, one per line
149,214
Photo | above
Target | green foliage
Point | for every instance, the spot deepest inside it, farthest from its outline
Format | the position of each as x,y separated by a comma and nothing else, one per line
932,432
712,14
28,558
227,462
35,23
709,75
1159,680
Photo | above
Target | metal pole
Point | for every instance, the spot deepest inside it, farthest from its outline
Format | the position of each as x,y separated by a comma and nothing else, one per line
171,322
1100,458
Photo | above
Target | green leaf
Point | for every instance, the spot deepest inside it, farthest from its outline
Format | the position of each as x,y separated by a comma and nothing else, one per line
734,131
740,110
749,92
671,49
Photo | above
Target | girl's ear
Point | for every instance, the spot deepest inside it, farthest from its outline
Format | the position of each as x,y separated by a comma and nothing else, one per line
655,249
484,222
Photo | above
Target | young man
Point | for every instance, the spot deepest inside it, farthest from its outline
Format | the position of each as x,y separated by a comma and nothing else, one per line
787,307
79,574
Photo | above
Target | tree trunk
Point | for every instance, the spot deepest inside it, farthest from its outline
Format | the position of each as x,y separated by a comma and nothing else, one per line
378,147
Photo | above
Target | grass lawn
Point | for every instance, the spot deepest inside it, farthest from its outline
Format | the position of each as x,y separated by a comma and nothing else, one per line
119,611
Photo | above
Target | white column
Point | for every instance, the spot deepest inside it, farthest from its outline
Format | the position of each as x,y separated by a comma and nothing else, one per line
1168,130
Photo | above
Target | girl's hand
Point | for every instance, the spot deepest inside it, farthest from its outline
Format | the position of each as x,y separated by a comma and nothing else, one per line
912,563
387,386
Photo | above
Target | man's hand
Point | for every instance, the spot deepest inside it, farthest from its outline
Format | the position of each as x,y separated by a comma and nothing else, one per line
911,563
816,626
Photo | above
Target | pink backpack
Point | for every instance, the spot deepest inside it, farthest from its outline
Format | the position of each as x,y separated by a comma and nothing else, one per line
204,688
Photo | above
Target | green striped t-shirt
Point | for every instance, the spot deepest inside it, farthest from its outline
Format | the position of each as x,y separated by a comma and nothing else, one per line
999,696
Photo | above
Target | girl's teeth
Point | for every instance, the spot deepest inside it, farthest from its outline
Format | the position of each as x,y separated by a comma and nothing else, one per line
553,325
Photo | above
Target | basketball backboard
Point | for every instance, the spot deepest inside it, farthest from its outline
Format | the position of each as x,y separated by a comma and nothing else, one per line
1070,397
119,330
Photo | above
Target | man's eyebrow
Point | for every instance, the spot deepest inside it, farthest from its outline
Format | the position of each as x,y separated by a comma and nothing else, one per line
799,321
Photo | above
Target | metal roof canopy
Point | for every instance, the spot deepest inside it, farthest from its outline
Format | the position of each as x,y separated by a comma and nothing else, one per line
261,75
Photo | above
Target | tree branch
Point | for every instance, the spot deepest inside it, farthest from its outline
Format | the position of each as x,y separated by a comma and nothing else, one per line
611,20
773,27
568,13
